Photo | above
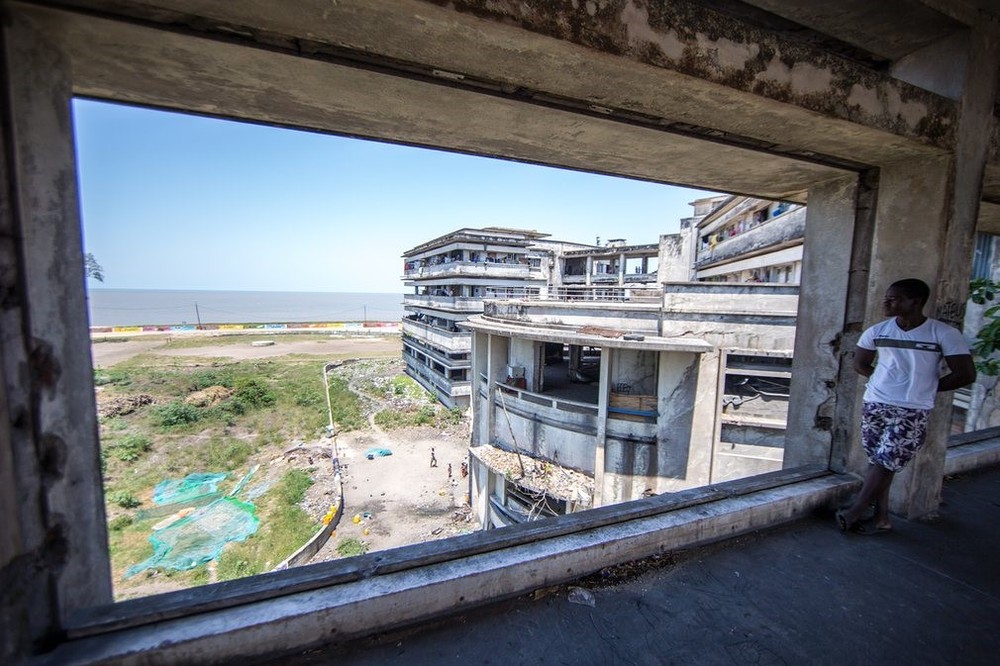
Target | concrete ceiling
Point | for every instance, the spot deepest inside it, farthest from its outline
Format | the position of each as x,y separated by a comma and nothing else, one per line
417,73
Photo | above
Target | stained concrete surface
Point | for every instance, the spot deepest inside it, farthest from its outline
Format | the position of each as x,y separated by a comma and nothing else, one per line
929,593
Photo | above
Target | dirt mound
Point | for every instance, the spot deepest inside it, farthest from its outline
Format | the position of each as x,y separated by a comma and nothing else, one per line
213,395
123,405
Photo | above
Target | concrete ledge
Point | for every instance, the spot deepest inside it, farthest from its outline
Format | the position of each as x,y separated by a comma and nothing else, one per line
974,453
369,605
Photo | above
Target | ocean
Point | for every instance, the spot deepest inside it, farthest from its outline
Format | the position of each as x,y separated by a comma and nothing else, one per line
164,307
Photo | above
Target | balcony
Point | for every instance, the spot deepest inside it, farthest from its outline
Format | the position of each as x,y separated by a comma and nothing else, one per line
451,341
436,381
775,233
450,303
478,269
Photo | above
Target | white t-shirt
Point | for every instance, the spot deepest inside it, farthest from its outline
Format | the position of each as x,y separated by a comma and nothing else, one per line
909,363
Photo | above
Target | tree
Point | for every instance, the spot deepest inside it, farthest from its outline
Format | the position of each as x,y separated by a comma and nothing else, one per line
92,268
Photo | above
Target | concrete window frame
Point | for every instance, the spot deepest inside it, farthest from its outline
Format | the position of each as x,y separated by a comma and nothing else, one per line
50,55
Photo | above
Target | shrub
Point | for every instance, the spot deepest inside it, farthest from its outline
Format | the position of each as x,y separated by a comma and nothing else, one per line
390,418
111,376
345,405
174,414
120,523
307,398
130,447
202,379
124,499
351,547
424,416
455,415
253,393
293,486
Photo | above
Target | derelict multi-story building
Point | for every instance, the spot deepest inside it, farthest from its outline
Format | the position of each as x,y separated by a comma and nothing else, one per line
750,240
448,278
625,378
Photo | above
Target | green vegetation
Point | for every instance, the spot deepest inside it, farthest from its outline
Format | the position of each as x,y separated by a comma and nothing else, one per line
351,547
174,414
119,523
111,376
129,448
273,403
987,342
124,499
425,415
287,527
345,405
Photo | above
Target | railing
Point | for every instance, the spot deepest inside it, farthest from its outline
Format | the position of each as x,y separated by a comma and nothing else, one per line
458,303
601,293
450,340
475,268
442,383
443,359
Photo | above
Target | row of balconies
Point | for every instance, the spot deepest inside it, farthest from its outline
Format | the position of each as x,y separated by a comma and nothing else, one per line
781,231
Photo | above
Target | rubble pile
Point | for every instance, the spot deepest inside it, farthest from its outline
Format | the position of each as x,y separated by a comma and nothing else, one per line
539,475
123,405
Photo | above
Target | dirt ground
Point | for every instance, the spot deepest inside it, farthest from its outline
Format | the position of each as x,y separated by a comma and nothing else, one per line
398,499
106,354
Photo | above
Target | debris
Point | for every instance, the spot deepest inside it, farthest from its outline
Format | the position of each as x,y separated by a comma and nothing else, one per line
600,331
213,395
123,406
578,595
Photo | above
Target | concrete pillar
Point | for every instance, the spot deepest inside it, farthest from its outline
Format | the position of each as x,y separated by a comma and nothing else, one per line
496,372
819,351
911,216
54,558
590,270
603,398
685,422
621,269
917,491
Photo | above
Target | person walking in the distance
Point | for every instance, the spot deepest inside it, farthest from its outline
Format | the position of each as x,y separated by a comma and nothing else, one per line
902,356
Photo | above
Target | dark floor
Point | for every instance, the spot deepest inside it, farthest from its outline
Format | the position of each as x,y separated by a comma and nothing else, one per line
929,593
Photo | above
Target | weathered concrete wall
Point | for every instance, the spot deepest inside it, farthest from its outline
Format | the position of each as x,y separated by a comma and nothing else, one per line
636,369
819,348
675,257
62,563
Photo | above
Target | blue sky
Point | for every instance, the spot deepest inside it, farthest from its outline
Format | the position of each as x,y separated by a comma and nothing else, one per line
172,201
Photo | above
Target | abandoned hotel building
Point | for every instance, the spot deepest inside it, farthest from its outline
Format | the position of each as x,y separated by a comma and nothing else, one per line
885,129
626,370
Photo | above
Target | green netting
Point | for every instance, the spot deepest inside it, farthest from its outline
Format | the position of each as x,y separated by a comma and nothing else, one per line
191,487
199,537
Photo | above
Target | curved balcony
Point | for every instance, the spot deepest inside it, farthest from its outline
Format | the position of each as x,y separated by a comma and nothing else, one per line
452,303
475,269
